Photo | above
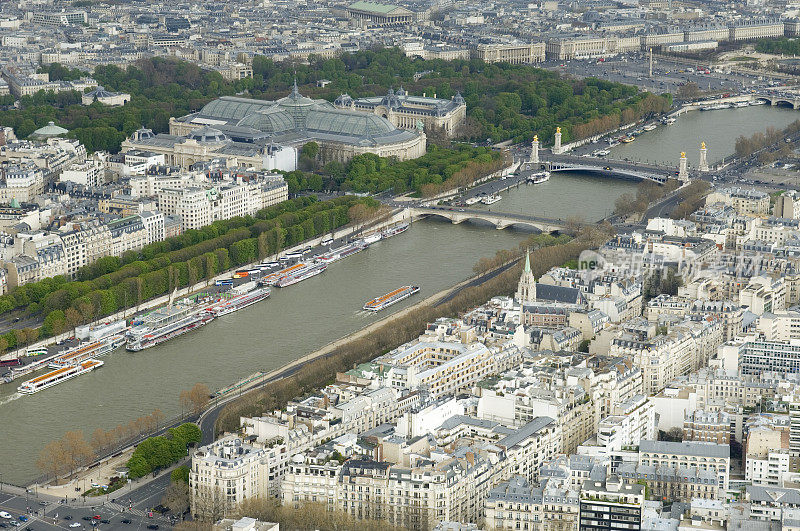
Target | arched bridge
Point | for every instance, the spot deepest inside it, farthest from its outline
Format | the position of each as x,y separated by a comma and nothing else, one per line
500,220
774,99
612,168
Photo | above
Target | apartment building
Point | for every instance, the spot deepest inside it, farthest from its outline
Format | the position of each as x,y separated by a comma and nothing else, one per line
548,505
611,505
745,201
224,473
707,426
701,456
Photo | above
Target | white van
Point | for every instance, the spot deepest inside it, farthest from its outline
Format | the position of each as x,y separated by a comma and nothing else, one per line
5,515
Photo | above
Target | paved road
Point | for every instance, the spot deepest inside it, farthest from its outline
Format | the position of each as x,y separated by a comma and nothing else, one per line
476,282
58,516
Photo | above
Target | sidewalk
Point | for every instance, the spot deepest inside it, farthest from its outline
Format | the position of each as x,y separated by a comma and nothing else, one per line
99,475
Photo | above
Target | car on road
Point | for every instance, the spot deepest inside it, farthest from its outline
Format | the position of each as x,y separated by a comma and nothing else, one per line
104,521
75,524
67,517
96,517
87,518
125,521
152,526
23,518
5,515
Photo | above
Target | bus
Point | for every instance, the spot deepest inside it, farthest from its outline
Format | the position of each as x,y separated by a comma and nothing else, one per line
226,282
14,362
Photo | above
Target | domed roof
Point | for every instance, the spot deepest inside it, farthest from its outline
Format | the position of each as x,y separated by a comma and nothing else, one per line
348,123
343,99
295,99
208,134
51,129
143,133
272,120
391,100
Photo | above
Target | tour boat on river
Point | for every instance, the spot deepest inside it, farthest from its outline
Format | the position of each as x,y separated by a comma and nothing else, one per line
167,323
539,177
299,276
384,301
57,376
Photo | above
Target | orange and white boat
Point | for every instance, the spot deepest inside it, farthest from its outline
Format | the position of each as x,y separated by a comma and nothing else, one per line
273,278
384,301
57,376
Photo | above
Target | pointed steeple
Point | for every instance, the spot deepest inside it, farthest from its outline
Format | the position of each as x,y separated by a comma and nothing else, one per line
295,90
526,289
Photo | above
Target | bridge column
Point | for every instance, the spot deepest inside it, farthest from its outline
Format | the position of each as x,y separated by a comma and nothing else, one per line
683,168
557,149
703,166
535,150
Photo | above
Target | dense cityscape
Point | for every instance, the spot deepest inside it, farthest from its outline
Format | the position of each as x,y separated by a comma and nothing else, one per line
428,265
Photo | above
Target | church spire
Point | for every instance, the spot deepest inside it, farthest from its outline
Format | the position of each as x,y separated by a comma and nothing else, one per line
526,289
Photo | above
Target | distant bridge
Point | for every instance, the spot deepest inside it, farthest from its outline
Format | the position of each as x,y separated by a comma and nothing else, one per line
612,168
500,220
791,100
786,99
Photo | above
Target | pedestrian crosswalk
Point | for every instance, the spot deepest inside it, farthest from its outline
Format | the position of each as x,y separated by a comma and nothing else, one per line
132,512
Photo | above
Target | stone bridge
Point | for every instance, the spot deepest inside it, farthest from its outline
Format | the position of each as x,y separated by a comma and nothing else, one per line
788,99
500,220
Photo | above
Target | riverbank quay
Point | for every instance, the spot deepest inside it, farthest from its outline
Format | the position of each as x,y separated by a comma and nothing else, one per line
392,217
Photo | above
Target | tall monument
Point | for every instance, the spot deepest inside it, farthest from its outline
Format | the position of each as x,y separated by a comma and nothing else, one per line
557,144
703,166
535,150
683,168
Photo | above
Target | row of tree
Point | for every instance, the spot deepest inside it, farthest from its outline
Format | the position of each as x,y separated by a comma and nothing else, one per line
128,281
105,440
783,46
646,193
162,451
692,198
746,146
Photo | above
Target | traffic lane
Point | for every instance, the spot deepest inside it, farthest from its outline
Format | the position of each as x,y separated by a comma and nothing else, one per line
148,495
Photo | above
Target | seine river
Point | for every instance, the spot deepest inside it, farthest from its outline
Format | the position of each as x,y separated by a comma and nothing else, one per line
298,320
